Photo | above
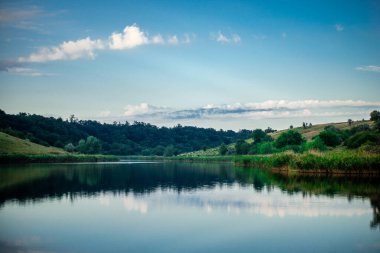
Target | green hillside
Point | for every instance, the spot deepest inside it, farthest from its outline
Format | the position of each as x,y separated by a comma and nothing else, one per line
308,133
13,145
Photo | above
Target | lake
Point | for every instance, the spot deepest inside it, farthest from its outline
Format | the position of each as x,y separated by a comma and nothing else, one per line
183,207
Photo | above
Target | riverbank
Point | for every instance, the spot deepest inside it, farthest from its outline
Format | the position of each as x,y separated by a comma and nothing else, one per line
50,158
336,162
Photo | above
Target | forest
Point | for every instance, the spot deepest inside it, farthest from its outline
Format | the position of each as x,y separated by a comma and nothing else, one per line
93,137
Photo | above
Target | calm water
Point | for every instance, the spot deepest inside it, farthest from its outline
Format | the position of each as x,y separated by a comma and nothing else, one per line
183,207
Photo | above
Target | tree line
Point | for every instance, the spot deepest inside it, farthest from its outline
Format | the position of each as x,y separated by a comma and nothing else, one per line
93,137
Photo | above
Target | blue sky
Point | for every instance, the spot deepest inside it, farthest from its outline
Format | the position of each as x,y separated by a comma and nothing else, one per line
221,64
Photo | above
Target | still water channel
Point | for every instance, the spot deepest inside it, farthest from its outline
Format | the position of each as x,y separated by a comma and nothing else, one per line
183,207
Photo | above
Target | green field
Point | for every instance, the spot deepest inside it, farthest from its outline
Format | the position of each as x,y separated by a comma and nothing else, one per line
16,146
13,149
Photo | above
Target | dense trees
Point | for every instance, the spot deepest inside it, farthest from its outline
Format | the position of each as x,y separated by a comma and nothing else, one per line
289,138
117,138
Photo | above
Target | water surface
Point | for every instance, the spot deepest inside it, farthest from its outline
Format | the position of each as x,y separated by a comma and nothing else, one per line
183,207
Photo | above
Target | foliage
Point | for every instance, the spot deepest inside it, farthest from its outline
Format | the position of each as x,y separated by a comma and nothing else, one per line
259,135
330,138
315,144
290,137
351,162
170,151
375,115
242,147
89,146
361,138
69,147
117,138
223,149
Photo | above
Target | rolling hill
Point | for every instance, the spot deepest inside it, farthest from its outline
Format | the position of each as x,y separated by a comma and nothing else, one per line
13,145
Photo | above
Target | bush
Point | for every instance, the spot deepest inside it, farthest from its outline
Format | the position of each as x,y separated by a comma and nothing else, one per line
330,138
316,144
265,148
241,147
259,135
361,138
290,137
375,115
223,149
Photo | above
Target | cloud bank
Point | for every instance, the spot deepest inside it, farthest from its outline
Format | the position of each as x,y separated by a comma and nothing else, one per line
256,110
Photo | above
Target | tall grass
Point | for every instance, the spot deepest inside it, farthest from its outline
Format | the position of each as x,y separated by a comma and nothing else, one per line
343,161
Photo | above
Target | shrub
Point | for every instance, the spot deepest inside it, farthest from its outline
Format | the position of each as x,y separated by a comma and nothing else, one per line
241,147
223,149
290,137
259,135
316,144
361,138
375,115
330,138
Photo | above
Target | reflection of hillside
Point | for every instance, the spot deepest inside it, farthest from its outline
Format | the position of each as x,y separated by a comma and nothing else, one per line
33,182
78,179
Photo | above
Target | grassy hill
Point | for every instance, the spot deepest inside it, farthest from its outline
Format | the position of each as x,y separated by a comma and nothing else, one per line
13,145
308,133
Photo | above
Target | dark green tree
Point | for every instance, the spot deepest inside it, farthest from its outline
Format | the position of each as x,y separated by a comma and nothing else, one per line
259,135
288,138
242,147
223,149
330,138
375,115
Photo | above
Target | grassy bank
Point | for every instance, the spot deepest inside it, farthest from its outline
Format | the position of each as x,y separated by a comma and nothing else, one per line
329,162
49,158
182,158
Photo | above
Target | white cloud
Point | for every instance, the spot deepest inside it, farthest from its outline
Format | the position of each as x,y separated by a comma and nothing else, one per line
158,39
173,40
371,68
131,37
143,108
18,71
284,35
68,50
224,39
339,27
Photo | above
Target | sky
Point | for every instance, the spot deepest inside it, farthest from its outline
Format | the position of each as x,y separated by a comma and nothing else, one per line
220,64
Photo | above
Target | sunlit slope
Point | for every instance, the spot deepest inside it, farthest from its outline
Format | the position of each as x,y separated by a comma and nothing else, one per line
13,145
308,133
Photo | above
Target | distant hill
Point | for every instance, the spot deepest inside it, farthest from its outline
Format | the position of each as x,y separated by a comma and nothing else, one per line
13,145
308,133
